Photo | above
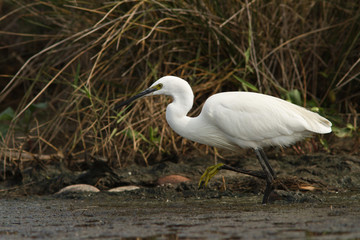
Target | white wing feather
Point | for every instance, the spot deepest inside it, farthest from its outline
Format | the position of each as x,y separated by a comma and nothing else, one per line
256,120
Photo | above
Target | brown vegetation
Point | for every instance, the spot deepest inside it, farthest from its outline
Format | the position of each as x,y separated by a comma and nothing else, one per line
65,64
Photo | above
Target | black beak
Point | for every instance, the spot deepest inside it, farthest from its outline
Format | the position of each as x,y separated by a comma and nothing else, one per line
139,95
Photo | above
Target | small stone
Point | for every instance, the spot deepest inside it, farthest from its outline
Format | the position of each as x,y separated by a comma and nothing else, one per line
78,188
124,188
172,179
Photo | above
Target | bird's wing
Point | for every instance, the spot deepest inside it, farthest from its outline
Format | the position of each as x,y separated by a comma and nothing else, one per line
253,117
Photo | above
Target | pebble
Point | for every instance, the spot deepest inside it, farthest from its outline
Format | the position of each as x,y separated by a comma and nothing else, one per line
78,188
124,188
172,179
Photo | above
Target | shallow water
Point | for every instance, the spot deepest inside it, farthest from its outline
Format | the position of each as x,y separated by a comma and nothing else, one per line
116,216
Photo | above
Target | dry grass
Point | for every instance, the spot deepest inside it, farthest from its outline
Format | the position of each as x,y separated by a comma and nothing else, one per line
82,57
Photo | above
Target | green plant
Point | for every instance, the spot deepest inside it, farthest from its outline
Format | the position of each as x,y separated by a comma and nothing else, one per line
22,124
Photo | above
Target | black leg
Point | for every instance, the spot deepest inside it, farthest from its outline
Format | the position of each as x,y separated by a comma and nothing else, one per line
270,175
264,165
258,174
266,160
269,188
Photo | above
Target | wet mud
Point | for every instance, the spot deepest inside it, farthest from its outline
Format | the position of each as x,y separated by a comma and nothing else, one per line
316,197
119,216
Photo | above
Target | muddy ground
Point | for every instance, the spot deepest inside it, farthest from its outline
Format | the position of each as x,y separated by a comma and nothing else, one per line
317,197
119,216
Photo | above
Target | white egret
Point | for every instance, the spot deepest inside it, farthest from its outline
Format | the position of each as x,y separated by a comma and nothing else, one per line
234,120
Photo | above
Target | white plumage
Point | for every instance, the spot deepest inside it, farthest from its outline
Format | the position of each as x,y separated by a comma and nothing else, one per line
237,119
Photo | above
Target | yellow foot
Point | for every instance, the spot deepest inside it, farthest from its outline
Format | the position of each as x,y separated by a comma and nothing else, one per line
209,173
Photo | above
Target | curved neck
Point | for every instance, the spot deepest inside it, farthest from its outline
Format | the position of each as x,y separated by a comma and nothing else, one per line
177,110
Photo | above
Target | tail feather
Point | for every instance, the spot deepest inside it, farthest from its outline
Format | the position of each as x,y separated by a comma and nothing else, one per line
320,125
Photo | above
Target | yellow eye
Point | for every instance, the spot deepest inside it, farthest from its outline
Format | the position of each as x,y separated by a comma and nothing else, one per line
159,86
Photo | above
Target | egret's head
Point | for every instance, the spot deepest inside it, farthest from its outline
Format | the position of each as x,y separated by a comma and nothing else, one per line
168,85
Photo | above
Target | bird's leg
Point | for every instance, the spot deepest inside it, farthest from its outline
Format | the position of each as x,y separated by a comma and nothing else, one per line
264,162
269,188
209,173
258,174
213,170
265,166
